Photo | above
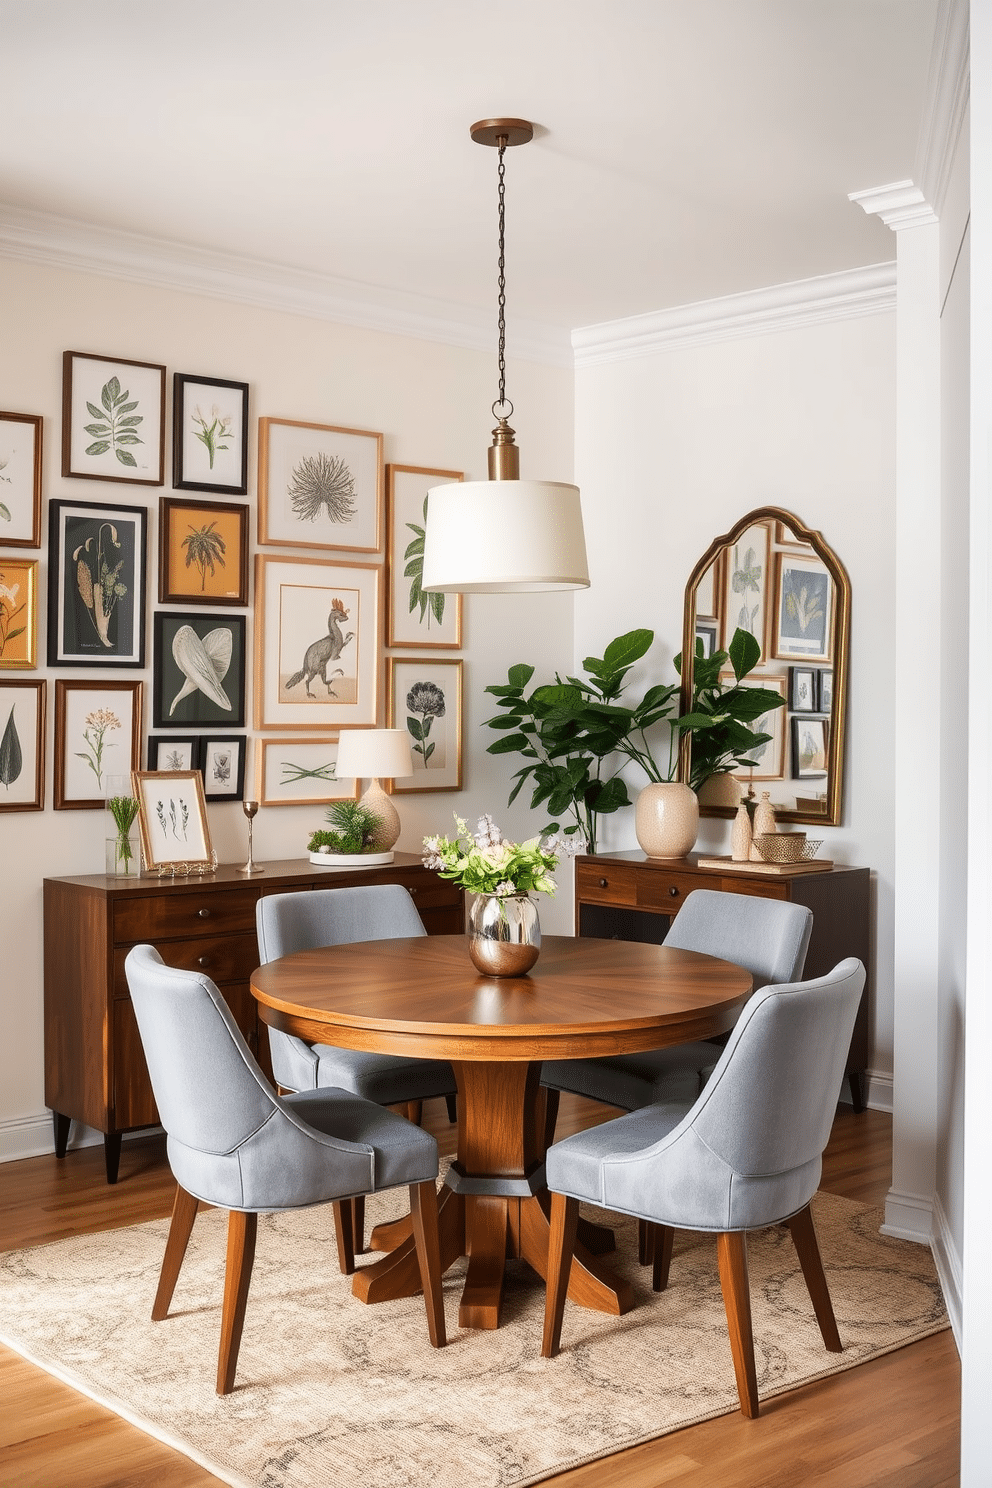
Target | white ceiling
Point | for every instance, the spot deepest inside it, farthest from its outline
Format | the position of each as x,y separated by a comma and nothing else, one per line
686,148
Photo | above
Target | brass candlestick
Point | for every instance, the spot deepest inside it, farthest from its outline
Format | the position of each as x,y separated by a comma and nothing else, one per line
250,808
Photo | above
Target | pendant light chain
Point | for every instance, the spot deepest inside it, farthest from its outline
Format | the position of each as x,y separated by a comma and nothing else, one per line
501,402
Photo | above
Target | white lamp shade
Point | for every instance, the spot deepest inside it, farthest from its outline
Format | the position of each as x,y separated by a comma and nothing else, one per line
374,754
495,537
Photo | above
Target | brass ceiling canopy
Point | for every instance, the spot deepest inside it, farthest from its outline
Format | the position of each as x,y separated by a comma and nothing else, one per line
509,131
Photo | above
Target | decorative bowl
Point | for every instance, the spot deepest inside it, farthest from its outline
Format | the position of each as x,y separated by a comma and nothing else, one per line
786,847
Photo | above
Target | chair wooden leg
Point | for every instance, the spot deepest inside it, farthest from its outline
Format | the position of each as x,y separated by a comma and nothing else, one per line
344,1230
664,1239
358,1210
731,1249
564,1227
414,1111
804,1239
423,1210
645,1241
184,1209
552,1099
451,1101
241,1232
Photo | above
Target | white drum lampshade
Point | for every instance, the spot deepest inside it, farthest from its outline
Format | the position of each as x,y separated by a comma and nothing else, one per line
374,755
504,537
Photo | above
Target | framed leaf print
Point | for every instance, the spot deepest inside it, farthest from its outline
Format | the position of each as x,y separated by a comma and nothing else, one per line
301,772
425,695
746,587
168,752
319,486
97,733
22,745
414,618
96,585
113,419
803,608
221,762
766,761
172,817
20,480
18,614
199,678
203,552
209,434
317,643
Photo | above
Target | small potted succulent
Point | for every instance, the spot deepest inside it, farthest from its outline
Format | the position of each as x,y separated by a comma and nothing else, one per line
349,841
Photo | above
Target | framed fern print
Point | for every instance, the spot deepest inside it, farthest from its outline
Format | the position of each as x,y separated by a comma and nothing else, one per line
203,552
113,419
414,618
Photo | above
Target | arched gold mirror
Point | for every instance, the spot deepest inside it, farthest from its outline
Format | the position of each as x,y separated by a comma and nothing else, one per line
773,576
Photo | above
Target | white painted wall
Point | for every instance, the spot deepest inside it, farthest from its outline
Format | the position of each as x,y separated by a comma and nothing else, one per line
672,448
433,404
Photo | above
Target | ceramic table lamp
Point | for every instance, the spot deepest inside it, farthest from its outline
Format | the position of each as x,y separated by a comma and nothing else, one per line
375,755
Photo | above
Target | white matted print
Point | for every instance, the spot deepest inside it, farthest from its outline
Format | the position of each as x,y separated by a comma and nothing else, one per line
414,618
317,643
804,608
22,745
319,486
222,760
172,816
20,480
767,761
97,733
113,419
746,587
301,772
425,697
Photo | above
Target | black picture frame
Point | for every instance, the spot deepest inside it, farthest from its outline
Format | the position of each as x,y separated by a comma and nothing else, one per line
213,748
216,697
810,748
804,690
89,544
195,451
185,747
825,690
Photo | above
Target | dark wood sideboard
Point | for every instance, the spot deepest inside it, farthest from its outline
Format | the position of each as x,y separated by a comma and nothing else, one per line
628,896
94,1065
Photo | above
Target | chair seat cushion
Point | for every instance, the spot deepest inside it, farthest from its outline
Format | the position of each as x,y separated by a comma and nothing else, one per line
631,1081
386,1078
575,1166
403,1153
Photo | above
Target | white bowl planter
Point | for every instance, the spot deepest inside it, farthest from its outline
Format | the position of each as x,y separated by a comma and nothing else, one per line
350,860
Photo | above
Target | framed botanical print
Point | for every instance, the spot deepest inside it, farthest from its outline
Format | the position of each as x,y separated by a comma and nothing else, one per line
172,818
707,631
803,690
199,676
113,419
97,734
803,608
222,765
18,614
767,761
203,552
317,643
20,480
809,748
414,618
319,486
172,752
746,587
301,772
825,691
96,585
22,745
209,434
425,695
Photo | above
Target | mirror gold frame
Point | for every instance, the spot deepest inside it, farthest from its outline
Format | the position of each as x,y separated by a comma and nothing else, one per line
787,538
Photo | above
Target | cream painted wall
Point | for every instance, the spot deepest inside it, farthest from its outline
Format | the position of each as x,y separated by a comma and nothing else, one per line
672,448
431,401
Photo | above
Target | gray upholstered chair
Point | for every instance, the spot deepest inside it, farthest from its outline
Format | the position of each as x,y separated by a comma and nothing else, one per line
234,1143
746,1154
768,937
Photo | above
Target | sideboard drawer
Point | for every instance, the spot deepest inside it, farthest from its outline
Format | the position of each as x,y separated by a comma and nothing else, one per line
664,890
605,885
162,917
765,888
223,958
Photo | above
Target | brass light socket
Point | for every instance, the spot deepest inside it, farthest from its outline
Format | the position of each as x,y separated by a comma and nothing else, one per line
504,456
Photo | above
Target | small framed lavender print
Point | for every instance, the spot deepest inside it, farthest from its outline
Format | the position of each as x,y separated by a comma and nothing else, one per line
319,486
172,818
425,696
20,480
96,585
18,614
22,745
163,752
414,618
209,434
202,552
222,765
301,772
113,419
199,677
97,733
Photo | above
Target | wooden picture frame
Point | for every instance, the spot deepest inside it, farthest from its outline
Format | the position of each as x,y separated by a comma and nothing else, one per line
113,419
810,745
425,696
221,760
167,752
300,772
745,587
768,759
209,449
96,584
319,486
199,670
172,819
804,602
709,592
97,733
20,479
22,744
18,614
412,617
318,629
202,552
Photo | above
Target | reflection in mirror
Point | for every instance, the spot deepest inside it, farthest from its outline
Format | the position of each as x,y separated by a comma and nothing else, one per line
774,577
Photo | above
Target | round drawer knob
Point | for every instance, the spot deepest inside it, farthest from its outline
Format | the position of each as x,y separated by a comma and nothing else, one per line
413,891
604,883
203,961
204,914
673,891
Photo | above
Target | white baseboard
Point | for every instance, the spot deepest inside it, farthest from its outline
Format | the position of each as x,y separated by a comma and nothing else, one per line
878,1091
33,1136
908,1217
949,1270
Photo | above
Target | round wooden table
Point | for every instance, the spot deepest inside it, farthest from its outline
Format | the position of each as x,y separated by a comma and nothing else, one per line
424,998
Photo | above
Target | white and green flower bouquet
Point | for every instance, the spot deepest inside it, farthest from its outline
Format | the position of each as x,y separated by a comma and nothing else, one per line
487,863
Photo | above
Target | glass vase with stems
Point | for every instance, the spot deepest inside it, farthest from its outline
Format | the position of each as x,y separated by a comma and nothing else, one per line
123,854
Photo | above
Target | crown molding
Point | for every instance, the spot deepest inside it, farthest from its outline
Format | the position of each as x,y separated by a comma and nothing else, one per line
900,204
782,307
66,243
947,96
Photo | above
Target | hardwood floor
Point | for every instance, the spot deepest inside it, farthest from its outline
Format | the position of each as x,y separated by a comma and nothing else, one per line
891,1423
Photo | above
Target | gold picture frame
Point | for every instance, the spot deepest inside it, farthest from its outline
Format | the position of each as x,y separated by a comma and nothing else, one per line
202,551
18,614
172,819
300,772
415,619
319,486
425,696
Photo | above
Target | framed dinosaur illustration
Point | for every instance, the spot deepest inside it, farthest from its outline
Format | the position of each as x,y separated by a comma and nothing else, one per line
318,643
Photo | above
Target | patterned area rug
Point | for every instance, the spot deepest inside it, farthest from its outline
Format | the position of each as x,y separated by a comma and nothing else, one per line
332,1392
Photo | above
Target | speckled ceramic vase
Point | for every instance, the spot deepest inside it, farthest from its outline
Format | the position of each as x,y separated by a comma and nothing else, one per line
666,819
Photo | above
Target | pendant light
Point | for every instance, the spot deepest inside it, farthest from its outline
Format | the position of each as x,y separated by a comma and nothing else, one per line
504,535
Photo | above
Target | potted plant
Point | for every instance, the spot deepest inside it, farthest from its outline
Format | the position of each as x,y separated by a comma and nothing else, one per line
351,838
